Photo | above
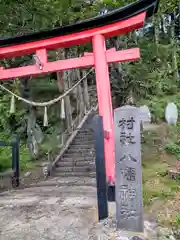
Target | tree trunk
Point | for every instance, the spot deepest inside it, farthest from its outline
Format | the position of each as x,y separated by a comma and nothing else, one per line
68,110
34,132
172,40
85,92
156,30
63,86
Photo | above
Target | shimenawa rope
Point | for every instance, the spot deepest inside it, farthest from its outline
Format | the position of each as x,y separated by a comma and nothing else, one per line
43,104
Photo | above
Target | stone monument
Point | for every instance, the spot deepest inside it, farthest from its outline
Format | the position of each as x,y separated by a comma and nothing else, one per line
129,204
145,114
171,113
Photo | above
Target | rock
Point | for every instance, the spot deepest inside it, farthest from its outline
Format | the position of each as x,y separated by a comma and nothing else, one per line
145,114
150,230
171,113
27,174
125,235
165,233
176,233
171,237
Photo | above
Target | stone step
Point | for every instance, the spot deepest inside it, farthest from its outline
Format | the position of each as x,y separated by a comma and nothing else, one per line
79,155
80,181
75,180
72,174
85,138
82,145
75,189
50,183
69,157
86,130
83,169
83,141
85,135
80,151
78,158
71,162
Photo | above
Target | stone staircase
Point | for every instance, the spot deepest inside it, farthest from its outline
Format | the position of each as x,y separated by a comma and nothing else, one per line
78,162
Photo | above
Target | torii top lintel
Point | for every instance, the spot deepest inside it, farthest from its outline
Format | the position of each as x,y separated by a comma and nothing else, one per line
117,22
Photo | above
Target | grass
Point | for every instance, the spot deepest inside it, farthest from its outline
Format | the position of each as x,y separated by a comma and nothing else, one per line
50,144
160,193
6,158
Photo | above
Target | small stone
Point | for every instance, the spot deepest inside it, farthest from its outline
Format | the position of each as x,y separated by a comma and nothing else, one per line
171,113
127,235
136,238
165,232
27,174
150,230
171,237
105,222
122,238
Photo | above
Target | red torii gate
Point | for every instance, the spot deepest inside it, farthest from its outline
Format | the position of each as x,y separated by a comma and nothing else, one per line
100,58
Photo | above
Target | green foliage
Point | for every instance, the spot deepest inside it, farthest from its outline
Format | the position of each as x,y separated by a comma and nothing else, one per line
6,158
173,148
178,220
151,76
173,142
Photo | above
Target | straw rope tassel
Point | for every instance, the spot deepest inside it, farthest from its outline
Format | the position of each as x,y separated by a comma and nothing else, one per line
63,116
12,106
45,117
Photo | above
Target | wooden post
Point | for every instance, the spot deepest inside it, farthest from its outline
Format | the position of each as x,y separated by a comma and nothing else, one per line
98,135
15,162
85,92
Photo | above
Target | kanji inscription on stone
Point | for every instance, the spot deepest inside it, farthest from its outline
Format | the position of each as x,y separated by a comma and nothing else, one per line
126,138
129,205
129,173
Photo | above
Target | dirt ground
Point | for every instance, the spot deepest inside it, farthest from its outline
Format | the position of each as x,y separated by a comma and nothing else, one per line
55,213
48,213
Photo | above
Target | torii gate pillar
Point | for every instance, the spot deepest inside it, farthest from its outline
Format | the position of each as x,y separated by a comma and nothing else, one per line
105,102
